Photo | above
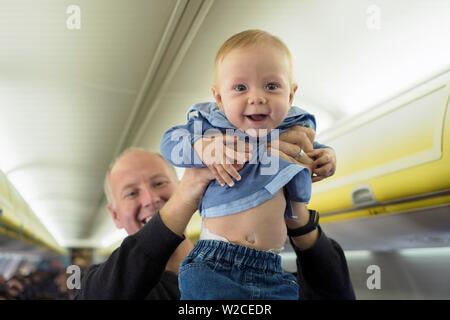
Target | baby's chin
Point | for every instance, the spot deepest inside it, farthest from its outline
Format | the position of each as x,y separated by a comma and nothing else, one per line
261,130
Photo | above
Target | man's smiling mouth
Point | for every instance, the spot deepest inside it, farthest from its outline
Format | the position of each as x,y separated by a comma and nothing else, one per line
144,221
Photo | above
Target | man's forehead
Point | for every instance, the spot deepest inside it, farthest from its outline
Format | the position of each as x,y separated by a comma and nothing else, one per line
133,181
138,166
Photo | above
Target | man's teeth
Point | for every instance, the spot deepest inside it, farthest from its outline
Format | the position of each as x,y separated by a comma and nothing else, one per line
146,220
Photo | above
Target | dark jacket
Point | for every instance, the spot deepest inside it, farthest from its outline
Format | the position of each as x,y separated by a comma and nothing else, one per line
136,269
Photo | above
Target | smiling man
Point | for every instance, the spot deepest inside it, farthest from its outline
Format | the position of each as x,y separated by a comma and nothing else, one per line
137,186
136,193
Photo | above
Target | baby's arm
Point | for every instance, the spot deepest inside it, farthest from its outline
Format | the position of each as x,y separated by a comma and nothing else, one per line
223,155
176,147
187,146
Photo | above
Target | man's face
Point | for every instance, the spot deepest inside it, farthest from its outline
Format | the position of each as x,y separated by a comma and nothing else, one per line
141,184
253,87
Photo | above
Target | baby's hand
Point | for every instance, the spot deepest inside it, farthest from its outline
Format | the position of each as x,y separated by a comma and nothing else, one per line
224,173
224,156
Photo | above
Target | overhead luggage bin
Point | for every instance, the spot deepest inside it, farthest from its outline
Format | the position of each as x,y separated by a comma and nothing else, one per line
17,220
393,158
7,216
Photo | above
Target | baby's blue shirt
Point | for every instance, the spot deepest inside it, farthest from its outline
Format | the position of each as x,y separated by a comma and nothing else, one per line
261,178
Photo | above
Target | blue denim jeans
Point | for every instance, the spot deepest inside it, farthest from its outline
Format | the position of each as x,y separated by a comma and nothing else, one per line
217,270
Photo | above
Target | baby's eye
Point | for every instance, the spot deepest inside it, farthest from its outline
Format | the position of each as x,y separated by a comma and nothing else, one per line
272,86
240,87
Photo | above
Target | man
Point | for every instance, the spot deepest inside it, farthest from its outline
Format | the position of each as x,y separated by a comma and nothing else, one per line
145,266
138,185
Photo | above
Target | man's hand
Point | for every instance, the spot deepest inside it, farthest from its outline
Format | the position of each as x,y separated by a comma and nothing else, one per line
324,163
292,142
321,162
177,212
291,153
301,137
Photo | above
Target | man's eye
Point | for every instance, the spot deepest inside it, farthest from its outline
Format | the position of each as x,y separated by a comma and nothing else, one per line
240,87
272,86
131,194
160,184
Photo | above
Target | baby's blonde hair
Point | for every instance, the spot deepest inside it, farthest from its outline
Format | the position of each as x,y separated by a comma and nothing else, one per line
248,39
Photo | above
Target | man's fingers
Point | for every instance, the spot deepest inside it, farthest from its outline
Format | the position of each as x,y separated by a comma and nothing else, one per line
293,150
286,157
304,161
304,142
289,149
317,178
292,134
322,161
315,153
324,171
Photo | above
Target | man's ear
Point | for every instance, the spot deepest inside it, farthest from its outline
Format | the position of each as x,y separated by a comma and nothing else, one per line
217,96
115,216
294,88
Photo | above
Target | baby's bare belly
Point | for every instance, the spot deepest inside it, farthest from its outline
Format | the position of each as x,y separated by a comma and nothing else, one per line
262,228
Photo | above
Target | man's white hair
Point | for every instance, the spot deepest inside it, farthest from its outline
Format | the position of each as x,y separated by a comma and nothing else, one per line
106,183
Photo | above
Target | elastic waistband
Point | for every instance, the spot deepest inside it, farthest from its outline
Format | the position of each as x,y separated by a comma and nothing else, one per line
239,255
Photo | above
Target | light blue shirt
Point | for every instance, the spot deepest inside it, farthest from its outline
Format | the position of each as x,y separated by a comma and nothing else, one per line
261,178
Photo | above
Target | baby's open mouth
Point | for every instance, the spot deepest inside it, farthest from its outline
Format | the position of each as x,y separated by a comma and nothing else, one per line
257,117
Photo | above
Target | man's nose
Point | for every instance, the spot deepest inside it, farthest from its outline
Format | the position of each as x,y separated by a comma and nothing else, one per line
149,197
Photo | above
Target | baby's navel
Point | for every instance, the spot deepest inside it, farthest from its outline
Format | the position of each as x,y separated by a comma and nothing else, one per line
250,238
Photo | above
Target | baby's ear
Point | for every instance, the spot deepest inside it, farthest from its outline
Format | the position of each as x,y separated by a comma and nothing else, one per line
217,96
294,88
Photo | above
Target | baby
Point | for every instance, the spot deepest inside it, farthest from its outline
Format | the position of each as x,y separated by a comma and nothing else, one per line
243,211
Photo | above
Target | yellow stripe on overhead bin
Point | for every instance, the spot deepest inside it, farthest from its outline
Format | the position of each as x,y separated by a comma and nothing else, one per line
426,178
7,217
385,210
18,220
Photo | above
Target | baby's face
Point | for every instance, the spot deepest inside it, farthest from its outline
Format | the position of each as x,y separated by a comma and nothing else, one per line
253,87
